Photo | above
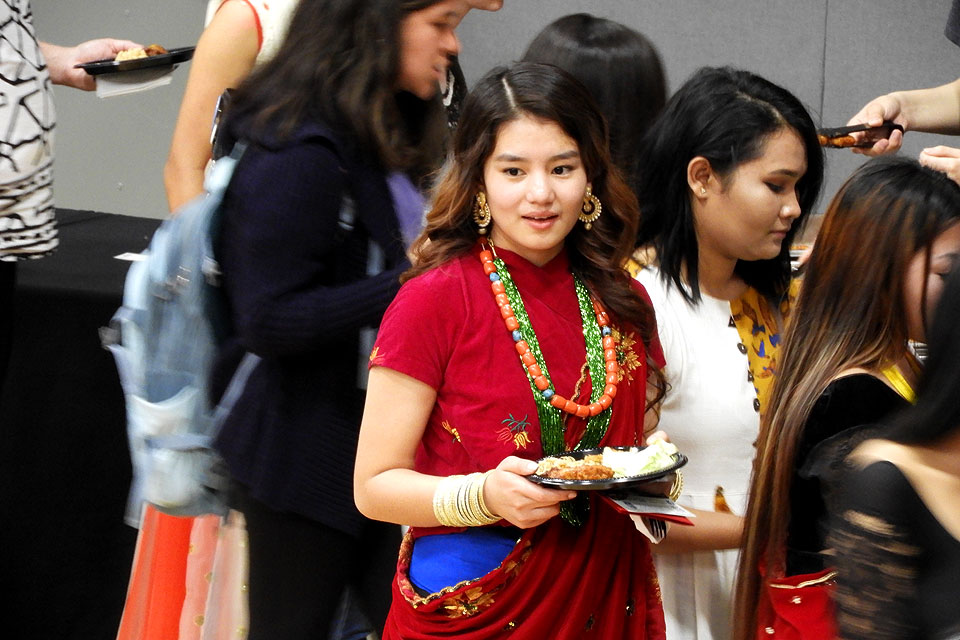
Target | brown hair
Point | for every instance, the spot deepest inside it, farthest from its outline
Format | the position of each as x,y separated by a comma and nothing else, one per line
338,64
850,314
547,93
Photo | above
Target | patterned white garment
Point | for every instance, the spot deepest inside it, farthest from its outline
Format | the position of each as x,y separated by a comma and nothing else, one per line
273,18
27,225
709,413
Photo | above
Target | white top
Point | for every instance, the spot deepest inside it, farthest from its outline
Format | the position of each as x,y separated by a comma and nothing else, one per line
273,17
27,224
708,411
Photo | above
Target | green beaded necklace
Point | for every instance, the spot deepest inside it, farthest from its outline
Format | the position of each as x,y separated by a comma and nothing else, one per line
552,426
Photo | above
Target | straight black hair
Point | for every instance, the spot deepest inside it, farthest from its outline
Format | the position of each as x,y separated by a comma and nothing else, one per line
620,68
937,412
725,115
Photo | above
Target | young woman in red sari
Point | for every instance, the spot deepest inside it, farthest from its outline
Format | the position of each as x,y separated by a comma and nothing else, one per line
522,255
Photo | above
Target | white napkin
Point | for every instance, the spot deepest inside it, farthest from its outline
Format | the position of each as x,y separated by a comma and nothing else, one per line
124,82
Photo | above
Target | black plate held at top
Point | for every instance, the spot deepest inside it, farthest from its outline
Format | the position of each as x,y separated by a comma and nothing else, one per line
607,483
170,58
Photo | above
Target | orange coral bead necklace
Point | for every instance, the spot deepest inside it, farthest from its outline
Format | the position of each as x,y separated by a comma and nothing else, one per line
532,360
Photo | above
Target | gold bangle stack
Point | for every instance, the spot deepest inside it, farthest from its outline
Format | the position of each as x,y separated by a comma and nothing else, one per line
458,502
677,487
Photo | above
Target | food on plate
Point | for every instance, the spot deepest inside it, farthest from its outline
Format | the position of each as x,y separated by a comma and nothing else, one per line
837,142
841,138
568,468
637,462
612,463
145,52
155,50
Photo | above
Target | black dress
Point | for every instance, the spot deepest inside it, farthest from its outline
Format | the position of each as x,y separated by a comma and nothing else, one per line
899,566
841,418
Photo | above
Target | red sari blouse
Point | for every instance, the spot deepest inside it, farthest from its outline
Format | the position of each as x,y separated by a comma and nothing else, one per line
560,581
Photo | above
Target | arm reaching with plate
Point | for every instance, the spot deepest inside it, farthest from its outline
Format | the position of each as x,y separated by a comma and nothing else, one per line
61,61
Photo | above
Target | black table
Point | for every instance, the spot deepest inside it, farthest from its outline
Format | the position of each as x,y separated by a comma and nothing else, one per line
65,552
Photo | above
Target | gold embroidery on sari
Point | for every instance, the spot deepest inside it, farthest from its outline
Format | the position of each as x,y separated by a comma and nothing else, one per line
627,358
451,430
468,602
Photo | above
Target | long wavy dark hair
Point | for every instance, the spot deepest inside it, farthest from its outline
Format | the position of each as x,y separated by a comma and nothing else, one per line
618,65
547,93
339,65
850,314
724,115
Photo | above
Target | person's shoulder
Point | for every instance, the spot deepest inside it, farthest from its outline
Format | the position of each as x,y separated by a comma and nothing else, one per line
304,178
430,309
654,286
640,288
302,159
436,286
851,401
232,17
270,137
859,388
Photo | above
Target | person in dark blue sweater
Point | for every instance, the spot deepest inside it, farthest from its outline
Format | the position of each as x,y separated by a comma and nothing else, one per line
343,124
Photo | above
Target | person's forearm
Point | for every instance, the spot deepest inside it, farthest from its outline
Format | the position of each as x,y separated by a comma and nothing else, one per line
934,110
53,54
401,496
182,184
711,531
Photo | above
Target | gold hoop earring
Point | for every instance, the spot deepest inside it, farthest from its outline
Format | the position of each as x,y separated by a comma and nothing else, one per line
590,210
481,213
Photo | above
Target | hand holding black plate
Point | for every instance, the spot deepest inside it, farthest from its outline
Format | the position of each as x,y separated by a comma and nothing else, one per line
607,483
171,57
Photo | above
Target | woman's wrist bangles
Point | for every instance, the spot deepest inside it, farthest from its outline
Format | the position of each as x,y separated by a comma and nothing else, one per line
458,502
677,487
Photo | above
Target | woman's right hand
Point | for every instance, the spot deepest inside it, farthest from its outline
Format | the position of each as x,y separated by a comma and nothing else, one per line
508,494
874,114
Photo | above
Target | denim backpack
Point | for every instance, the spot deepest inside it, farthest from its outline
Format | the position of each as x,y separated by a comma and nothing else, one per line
164,340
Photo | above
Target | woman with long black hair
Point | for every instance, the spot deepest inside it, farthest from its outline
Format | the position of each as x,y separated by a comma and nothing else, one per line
727,175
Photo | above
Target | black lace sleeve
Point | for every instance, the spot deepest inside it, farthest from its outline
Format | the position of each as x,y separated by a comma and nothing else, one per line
876,555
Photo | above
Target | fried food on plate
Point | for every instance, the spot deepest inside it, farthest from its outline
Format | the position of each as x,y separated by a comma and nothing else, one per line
568,468
136,54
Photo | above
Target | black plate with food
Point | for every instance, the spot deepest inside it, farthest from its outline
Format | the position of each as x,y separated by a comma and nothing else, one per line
171,57
601,484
